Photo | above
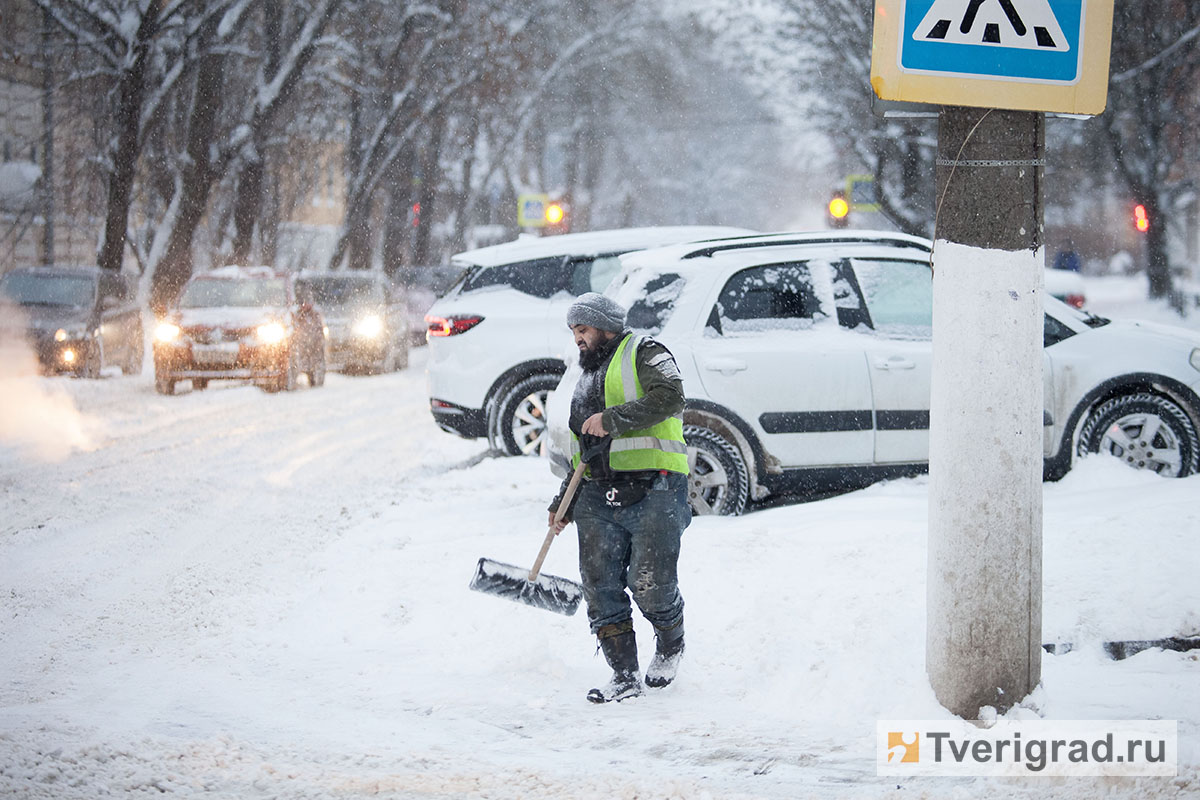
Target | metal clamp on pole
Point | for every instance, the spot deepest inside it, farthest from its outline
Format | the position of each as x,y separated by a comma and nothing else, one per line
980,162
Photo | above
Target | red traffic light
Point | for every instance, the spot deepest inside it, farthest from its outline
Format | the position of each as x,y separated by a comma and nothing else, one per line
1141,220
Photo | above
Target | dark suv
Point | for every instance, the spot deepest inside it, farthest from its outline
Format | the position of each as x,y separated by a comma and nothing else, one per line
78,319
365,321
245,323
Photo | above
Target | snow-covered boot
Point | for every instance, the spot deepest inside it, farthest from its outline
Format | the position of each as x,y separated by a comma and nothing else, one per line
620,651
668,652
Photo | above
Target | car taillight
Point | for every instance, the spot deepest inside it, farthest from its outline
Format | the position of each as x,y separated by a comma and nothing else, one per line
1074,300
451,326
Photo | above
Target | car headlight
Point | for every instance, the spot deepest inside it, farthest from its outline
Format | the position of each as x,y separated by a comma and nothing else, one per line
370,326
271,332
167,332
63,334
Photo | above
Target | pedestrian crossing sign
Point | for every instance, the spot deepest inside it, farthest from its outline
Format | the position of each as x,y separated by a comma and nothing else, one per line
1033,55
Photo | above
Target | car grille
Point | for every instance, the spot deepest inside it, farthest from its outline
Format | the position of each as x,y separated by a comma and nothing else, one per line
217,335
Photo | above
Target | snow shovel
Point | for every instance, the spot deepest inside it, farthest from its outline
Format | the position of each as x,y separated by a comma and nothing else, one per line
531,587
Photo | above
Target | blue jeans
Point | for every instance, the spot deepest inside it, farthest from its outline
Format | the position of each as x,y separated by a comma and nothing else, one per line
635,548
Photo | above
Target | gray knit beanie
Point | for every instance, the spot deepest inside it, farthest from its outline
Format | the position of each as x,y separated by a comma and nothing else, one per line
598,311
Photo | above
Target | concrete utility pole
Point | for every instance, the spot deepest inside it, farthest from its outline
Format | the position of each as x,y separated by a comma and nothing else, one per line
985,517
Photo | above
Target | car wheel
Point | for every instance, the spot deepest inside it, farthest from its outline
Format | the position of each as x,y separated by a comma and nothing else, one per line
287,381
165,385
133,363
387,362
316,376
1146,431
517,420
93,362
401,361
718,480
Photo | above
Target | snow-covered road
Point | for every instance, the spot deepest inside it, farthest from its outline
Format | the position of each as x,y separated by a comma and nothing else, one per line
241,595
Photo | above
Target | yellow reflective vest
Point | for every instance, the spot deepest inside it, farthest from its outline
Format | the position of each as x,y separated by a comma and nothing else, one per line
659,447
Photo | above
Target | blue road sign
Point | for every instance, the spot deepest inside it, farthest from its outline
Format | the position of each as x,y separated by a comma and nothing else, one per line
1033,41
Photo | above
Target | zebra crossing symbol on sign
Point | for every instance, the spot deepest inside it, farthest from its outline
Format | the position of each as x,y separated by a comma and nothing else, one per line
1026,55
1024,40
1026,24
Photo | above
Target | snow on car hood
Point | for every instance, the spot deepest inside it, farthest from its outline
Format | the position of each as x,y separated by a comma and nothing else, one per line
1171,332
229,316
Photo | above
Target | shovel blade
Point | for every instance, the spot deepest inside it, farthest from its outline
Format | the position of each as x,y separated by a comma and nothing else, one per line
547,592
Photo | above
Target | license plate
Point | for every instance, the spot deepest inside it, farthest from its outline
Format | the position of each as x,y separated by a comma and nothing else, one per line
219,354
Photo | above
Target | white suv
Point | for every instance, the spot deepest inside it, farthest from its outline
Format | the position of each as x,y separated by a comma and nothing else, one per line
496,338
806,364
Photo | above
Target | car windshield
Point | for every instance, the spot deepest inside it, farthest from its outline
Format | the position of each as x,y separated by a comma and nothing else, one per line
29,288
345,291
236,292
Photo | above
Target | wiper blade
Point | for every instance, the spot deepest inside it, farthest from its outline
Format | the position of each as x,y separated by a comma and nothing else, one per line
1094,320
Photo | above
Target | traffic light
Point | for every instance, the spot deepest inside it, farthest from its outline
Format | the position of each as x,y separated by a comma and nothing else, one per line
558,218
838,210
1141,220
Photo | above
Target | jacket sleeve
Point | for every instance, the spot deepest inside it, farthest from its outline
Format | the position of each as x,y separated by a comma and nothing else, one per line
663,387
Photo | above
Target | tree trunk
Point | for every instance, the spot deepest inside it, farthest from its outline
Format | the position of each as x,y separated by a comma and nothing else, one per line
131,94
426,190
1158,265
248,203
465,197
247,208
47,191
175,267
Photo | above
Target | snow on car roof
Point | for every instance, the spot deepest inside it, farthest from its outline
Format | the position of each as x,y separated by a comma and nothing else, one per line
594,243
753,249
236,272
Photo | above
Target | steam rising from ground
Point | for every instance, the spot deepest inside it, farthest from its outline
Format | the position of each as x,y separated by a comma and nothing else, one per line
37,418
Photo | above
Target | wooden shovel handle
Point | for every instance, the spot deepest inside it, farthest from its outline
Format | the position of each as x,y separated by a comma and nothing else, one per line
559,513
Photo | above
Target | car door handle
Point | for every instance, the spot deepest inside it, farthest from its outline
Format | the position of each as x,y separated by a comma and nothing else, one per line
894,362
725,366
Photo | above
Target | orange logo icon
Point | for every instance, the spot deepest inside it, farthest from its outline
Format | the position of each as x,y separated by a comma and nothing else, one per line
904,748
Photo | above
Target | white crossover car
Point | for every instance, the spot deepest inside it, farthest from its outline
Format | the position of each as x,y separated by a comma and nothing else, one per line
806,364
496,336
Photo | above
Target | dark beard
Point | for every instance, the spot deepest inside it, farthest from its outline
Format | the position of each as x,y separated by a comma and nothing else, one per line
595,358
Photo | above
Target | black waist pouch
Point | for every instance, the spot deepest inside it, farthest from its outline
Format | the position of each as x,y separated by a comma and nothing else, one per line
624,494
